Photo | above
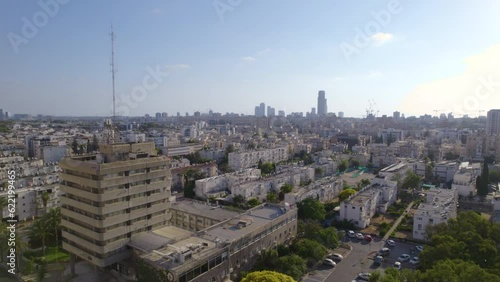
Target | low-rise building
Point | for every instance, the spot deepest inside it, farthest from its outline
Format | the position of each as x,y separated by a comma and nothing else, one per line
464,180
241,160
440,206
375,198
195,216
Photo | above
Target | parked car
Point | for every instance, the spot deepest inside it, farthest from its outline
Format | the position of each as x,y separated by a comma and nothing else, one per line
404,257
329,262
378,260
397,265
368,238
335,257
384,252
364,276
415,261
390,243
351,234
419,248
360,236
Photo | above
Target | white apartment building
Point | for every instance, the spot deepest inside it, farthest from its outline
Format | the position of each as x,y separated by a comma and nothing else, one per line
362,206
217,186
390,171
325,189
446,171
241,160
29,203
464,180
135,138
53,154
440,206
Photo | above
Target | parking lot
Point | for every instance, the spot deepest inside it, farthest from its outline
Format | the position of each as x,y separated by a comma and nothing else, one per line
360,259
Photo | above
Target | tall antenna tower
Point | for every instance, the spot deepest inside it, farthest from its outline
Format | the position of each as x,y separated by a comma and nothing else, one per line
113,70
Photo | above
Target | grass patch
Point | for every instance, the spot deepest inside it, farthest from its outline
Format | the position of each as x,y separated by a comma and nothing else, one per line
52,254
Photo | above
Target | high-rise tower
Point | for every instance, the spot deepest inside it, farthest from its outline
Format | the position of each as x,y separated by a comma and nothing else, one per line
493,122
322,107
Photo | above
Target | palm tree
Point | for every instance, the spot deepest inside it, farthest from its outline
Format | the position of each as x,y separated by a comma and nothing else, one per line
4,235
21,246
45,199
3,204
53,219
39,230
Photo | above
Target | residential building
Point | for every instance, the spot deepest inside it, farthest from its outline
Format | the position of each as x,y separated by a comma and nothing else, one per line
493,122
29,203
464,180
375,198
241,160
440,206
110,197
195,216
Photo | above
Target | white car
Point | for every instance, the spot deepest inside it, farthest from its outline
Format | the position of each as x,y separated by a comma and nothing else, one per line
404,257
397,265
391,243
329,262
364,276
419,248
351,233
360,236
335,256
415,261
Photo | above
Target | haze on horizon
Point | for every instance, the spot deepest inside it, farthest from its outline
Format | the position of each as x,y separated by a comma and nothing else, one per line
229,56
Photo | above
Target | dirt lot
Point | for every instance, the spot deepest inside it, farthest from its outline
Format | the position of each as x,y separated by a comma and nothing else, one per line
374,222
347,177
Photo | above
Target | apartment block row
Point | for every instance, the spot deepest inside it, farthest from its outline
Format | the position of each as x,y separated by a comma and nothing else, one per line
241,160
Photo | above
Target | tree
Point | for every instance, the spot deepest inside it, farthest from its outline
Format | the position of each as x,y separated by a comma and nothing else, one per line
346,193
238,199
292,265
311,209
272,197
3,204
411,180
95,143
342,165
286,188
267,276
39,230
74,146
253,202
365,182
89,147
485,180
310,249
45,199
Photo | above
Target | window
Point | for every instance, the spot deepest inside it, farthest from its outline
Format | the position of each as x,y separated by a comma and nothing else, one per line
419,227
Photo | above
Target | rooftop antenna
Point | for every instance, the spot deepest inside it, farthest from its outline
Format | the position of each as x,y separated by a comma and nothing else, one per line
113,71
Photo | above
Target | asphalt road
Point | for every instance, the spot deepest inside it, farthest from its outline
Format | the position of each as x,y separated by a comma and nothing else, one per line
360,259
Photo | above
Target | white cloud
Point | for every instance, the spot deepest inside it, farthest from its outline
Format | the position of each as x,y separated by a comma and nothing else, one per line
381,38
374,74
477,88
156,11
178,67
249,59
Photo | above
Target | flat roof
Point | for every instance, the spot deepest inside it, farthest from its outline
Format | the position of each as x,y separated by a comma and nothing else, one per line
203,209
229,231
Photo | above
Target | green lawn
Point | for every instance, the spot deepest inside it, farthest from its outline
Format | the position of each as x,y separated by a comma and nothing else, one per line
51,255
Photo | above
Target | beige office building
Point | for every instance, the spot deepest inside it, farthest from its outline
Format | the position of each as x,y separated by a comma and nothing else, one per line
110,197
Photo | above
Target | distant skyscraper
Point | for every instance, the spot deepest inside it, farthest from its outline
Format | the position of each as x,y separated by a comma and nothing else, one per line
262,110
322,107
158,116
313,111
396,115
281,113
493,122
341,114
164,115
1,114
257,111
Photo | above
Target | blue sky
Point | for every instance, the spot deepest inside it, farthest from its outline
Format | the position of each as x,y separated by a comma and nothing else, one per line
230,55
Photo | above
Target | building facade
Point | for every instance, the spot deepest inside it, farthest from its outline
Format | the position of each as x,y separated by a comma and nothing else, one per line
110,198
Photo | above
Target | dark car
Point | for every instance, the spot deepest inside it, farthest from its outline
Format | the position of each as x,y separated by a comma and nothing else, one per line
378,260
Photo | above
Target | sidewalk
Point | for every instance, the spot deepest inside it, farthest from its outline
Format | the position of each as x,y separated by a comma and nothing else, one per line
397,222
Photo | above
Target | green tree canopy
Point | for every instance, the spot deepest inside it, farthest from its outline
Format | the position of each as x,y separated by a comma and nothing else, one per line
411,180
267,276
311,209
342,165
346,193
253,202
309,249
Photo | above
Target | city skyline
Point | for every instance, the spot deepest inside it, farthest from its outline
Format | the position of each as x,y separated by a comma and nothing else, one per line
226,61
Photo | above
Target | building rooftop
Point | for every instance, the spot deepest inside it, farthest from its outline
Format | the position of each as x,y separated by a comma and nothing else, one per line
203,209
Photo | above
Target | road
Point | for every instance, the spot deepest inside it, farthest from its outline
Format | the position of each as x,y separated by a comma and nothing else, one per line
360,259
